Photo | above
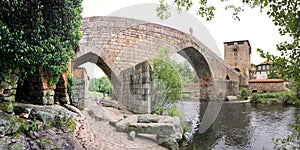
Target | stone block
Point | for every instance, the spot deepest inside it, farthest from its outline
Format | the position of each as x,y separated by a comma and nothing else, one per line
123,124
152,128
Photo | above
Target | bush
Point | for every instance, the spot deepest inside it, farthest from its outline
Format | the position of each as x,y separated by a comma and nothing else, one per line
71,83
244,93
174,112
166,82
254,98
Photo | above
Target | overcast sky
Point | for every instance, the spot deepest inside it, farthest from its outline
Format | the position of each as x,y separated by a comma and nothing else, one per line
254,26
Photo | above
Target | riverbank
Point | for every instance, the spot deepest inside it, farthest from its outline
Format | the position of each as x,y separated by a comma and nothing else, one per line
284,97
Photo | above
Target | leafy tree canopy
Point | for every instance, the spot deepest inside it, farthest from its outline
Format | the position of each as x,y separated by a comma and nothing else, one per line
38,33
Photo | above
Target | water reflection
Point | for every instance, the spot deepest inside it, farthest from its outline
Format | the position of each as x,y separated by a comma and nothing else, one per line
241,126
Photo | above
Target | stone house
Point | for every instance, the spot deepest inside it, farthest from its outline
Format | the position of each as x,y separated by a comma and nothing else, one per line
266,85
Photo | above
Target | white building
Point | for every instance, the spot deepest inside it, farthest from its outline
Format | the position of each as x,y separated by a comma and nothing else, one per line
262,70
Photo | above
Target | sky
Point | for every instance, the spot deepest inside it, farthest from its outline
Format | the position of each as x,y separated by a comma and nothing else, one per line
254,26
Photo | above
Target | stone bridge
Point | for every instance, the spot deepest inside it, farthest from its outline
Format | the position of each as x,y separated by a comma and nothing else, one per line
115,44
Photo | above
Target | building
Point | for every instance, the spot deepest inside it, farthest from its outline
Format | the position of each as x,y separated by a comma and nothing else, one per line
263,70
237,54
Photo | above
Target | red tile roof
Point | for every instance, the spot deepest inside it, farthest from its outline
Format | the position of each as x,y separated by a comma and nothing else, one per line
266,81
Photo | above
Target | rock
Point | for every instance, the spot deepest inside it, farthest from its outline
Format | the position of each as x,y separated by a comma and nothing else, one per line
159,119
73,109
165,141
231,98
122,125
132,135
112,123
152,128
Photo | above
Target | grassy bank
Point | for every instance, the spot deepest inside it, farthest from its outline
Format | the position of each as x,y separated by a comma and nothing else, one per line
284,97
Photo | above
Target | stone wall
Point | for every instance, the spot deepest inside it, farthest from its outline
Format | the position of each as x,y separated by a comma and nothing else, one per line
80,89
8,89
35,89
266,85
136,88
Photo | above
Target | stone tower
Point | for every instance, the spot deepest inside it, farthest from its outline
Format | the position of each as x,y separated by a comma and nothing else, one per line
237,54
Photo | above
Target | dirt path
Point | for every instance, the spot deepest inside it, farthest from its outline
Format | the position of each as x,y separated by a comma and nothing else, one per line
97,134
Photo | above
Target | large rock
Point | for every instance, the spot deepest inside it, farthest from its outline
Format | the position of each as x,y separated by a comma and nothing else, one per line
165,127
122,125
152,128
231,98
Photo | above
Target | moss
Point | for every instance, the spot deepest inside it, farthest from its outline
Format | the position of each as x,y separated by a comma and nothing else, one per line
43,142
23,126
70,125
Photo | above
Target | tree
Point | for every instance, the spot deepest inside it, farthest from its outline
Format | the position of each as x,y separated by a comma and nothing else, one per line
38,33
105,86
187,74
166,82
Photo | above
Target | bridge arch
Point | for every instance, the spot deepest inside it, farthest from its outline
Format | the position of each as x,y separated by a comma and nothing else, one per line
115,44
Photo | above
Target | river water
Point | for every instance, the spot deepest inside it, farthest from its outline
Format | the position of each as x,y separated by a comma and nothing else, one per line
238,126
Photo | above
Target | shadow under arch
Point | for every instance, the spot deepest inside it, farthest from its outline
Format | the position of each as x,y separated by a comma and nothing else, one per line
202,69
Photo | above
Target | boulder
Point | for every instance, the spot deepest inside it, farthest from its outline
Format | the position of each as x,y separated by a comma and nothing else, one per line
231,98
152,128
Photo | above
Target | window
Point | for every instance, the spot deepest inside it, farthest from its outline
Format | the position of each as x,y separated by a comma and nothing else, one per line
258,67
235,52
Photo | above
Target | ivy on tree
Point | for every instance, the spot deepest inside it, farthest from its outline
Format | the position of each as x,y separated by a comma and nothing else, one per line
38,33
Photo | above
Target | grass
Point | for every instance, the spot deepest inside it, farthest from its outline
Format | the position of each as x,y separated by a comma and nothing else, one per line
95,94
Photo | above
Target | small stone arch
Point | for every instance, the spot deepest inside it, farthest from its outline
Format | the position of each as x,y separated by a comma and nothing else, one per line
237,69
227,77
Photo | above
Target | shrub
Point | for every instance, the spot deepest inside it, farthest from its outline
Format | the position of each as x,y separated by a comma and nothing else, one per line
71,83
174,112
244,93
254,98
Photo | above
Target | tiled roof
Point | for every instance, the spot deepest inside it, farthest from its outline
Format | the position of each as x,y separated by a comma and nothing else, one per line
266,81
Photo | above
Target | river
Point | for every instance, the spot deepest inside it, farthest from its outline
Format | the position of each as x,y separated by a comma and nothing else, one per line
238,126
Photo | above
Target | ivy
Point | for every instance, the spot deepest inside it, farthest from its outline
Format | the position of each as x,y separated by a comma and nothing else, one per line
38,33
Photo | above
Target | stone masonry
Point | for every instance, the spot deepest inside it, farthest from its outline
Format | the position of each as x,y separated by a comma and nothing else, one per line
8,89
80,88
136,88
266,85
116,44
35,89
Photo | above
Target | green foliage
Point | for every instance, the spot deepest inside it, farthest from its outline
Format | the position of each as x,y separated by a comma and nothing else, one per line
166,82
174,112
187,74
105,86
284,97
38,33
102,85
71,83
244,93
254,98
